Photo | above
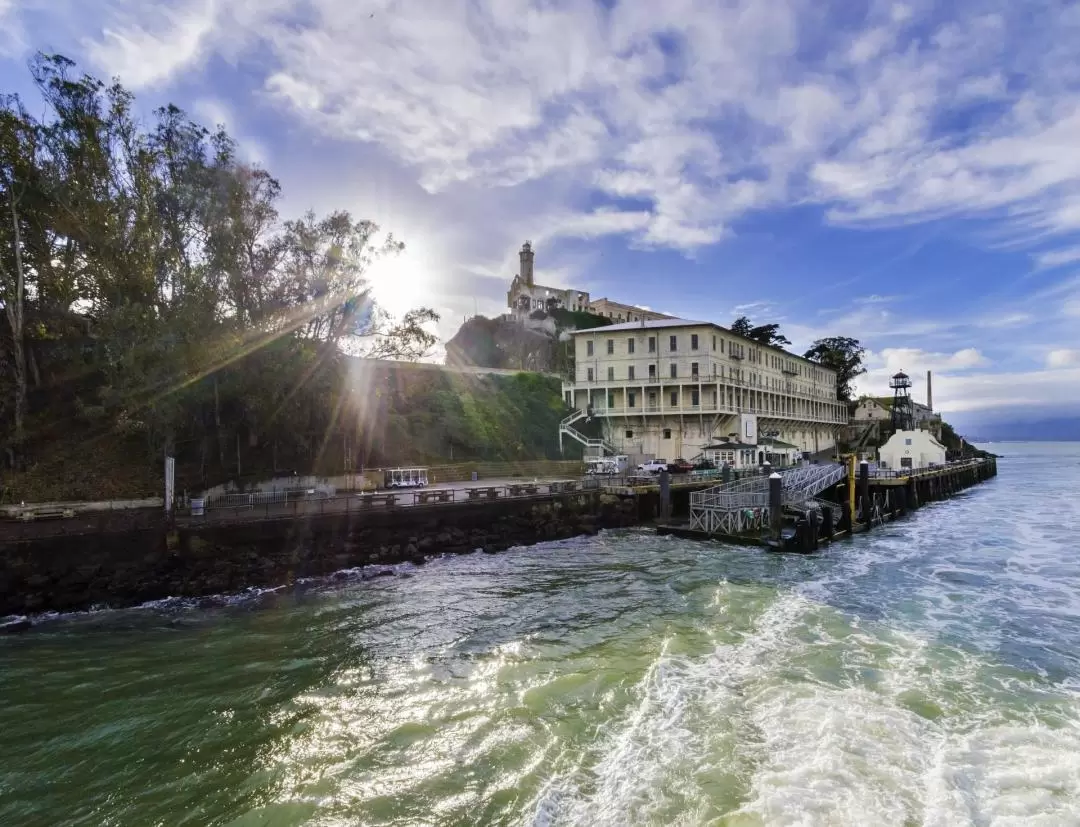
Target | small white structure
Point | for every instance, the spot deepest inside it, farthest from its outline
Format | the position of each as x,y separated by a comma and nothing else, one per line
911,450
406,478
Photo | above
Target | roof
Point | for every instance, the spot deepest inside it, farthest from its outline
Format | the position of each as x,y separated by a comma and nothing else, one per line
648,324
776,443
727,446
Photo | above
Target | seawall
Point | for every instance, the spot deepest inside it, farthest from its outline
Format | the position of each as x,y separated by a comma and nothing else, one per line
74,572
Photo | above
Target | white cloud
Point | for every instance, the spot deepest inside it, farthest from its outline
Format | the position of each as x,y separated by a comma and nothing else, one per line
1063,358
738,107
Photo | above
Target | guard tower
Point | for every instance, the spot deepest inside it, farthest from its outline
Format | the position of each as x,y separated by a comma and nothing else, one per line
903,413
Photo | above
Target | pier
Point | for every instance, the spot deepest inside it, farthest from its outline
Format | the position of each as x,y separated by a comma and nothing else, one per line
798,509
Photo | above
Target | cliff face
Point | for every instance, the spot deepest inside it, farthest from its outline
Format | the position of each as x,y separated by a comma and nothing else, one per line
539,343
502,343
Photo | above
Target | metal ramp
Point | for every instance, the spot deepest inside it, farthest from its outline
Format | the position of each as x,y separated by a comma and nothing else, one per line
743,505
593,447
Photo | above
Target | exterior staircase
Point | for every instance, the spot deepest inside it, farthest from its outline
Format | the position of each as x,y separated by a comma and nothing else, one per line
593,447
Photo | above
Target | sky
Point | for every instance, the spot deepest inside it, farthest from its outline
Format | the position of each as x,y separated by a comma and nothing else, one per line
905,173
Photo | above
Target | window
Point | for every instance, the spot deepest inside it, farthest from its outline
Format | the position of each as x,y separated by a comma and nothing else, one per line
588,348
629,434
695,398
630,345
674,399
714,370
721,345
694,370
674,370
693,341
589,375
631,399
667,433
652,344
630,372
907,441
652,399
714,344
673,343
611,400
652,371
611,374
610,346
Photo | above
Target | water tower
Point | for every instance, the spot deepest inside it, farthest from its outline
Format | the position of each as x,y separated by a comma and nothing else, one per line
903,413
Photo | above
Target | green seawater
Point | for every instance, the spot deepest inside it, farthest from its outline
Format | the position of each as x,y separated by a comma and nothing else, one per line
926,674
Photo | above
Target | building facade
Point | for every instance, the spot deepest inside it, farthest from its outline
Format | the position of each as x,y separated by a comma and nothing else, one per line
620,313
525,296
878,409
672,388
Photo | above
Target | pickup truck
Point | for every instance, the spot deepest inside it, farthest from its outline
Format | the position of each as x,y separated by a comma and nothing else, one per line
653,466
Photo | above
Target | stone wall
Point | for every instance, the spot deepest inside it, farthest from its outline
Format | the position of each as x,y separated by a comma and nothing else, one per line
69,573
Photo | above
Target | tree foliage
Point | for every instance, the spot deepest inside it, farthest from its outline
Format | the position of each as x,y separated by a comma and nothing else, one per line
150,289
843,355
766,334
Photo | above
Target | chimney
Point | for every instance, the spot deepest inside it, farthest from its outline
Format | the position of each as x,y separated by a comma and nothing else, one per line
929,393
526,256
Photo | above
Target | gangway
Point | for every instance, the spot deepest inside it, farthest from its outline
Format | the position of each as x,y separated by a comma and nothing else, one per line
743,505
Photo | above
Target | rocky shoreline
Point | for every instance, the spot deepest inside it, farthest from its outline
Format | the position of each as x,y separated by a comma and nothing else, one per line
64,574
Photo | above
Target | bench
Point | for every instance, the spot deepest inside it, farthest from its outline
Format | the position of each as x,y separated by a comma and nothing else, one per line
484,492
438,495
47,513
375,499
523,490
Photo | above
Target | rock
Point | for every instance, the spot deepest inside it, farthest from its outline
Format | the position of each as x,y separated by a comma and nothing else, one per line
15,625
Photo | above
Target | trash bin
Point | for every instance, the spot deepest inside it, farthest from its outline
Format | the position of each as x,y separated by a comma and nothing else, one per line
474,477
197,505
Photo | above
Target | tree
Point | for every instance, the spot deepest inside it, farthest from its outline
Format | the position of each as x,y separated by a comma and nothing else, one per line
150,290
843,355
742,327
766,334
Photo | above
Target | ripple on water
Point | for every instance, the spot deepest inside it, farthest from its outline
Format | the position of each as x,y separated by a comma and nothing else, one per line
925,674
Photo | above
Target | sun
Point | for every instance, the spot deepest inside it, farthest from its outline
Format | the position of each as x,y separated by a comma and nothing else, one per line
402,282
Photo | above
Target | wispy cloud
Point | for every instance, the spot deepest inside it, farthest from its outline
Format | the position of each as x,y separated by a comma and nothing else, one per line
704,112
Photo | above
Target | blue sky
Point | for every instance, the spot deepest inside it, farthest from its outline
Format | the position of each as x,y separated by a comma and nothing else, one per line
907,173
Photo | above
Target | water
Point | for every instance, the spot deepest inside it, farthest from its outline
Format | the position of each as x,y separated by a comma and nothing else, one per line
928,674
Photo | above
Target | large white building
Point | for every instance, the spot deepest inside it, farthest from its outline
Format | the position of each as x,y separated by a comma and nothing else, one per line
672,388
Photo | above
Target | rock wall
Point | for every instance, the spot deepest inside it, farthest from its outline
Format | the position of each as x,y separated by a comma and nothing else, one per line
73,573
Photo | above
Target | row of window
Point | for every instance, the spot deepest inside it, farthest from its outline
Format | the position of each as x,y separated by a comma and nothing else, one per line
631,373
737,350
631,399
673,344
734,375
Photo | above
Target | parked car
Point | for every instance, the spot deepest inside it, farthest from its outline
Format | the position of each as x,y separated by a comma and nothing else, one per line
680,466
653,466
